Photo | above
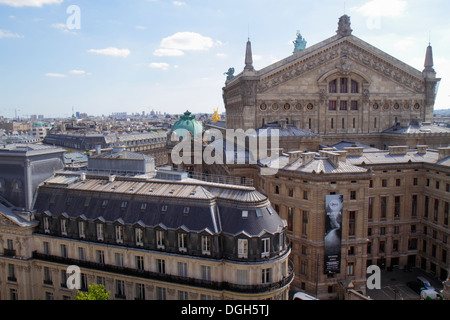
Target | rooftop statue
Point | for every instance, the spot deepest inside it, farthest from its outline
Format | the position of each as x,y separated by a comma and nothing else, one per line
230,73
299,43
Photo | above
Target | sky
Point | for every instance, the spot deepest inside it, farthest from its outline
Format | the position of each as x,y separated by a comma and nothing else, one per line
104,56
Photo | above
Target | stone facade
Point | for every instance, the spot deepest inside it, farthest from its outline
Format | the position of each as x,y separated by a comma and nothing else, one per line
341,86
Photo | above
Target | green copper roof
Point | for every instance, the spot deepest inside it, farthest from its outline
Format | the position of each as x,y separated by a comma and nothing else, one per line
186,123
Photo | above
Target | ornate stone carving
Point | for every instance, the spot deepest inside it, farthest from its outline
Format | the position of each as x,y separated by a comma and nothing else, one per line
350,54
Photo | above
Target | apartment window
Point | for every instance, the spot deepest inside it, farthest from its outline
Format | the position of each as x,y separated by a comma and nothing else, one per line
81,254
332,123
305,195
47,276
397,182
351,269
139,237
101,280
11,273
206,245
182,269
395,245
396,207
370,210
354,105
63,248
265,247
382,246
427,204
446,212
182,241
81,229
63,279
383,207
160,239
119,259
351,223
243,248
100,255
46,223
160,293
64,227
414,206
161,266
140,291
266,275
139,263
290,219
436,209
415,181
100,232
277,190
13,294
291,192
119,234
206,273
46,247
304,223
352,195
384,183
183,295
120,289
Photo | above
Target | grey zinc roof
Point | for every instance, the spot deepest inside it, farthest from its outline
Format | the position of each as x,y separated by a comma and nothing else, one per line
213,207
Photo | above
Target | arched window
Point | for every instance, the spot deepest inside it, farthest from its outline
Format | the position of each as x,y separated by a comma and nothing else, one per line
332,86
354,87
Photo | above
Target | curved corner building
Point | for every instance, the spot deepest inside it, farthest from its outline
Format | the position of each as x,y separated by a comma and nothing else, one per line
157,239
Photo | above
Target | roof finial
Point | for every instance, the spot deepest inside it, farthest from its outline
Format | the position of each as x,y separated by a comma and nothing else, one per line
248,57
429,60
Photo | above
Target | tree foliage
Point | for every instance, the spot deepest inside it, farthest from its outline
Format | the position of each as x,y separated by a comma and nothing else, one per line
95,292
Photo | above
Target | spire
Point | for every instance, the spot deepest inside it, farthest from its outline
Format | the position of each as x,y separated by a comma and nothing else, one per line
248,57
429,60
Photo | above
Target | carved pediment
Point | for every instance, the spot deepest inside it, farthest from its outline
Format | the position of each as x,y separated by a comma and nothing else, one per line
344,56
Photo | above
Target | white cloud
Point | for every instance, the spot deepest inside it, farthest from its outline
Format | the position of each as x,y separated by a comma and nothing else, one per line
179,3
176,44
168,52
79,72
55,75
111,51
382,8
187,41
9,34
141,28
29,3
159,65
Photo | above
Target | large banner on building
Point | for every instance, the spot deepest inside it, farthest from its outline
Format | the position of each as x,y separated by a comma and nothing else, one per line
333,232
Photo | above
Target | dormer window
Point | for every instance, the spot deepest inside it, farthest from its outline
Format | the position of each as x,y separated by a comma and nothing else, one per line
81,229
64,227
186,210
119,234
164,209
139,237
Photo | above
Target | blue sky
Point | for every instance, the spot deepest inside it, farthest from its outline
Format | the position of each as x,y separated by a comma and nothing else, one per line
170,56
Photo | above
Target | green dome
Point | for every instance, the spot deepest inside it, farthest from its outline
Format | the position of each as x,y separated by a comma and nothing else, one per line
38,124
187,122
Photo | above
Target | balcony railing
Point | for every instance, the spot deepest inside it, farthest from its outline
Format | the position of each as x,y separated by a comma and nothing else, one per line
214,285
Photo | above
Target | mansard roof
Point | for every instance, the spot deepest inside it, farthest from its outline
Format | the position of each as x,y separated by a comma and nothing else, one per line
192,205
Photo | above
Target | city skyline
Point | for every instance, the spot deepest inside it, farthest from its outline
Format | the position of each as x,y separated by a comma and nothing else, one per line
171,56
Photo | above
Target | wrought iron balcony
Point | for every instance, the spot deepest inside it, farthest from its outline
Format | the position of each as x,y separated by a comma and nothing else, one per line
214,285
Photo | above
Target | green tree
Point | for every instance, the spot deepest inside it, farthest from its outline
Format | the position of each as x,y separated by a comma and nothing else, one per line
95,292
